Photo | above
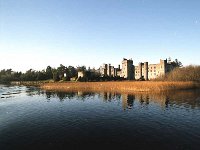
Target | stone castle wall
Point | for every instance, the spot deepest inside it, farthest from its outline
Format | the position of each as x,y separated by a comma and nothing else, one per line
142,71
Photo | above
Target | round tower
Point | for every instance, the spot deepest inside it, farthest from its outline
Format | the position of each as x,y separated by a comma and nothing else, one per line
146,70
140,70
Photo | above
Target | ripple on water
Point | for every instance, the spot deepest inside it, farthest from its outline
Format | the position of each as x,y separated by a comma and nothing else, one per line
105,117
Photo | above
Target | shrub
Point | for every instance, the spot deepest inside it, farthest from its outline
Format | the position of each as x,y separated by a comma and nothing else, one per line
188,73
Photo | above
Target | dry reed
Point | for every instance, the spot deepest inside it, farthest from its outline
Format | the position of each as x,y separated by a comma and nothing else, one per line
188,73
125,86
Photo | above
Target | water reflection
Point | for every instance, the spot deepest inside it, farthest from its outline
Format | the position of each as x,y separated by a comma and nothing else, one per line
31,91
35,117
9,91
166,99
109,96
188,98
127,101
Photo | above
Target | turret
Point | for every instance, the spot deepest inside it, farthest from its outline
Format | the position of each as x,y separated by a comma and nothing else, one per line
146,70
140,70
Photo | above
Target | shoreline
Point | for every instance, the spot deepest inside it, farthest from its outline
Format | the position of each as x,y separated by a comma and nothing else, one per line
124,86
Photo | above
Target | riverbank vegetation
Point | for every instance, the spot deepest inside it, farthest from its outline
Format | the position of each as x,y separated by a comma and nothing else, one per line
61,73
70,73
56,74
188,73
128,86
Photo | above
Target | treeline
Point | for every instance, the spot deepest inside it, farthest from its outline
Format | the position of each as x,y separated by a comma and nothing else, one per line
56,74
60,73
188,73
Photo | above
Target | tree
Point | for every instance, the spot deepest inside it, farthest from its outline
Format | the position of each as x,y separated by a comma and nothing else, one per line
49,74
61,70
72,71
55,74
30,75
41,75
82,68
177,63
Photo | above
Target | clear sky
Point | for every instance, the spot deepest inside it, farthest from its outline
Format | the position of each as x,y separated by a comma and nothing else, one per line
38,33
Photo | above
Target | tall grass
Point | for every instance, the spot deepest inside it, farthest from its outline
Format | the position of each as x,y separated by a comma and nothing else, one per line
179,79
124,86
188,73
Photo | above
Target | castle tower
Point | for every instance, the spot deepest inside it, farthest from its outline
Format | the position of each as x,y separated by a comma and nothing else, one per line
140,70
146,70
115,72
127,69
103,70
112,71
163,66
109,70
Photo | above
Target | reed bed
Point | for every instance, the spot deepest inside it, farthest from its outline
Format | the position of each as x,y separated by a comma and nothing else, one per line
188,73
125,86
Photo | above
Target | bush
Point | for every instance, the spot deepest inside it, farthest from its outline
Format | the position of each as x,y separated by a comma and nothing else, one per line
188,73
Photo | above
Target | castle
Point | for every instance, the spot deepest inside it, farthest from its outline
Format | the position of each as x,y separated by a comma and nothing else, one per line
144,70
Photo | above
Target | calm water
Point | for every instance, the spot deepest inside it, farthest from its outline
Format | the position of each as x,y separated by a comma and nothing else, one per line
35,119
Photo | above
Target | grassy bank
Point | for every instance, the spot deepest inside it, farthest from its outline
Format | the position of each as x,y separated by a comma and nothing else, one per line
144,86
188,73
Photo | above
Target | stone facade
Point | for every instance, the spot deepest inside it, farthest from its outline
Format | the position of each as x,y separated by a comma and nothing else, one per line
127,71
152,71
81,74
144,70
108,70
103,70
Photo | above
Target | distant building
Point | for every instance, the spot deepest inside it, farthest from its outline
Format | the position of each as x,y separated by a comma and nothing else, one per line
144,70
127,71
108,70
141,71
80,74
103,70
152,71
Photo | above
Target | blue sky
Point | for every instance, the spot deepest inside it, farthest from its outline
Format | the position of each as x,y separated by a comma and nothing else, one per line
38,33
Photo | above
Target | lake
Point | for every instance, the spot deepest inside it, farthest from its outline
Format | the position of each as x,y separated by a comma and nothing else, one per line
31,118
